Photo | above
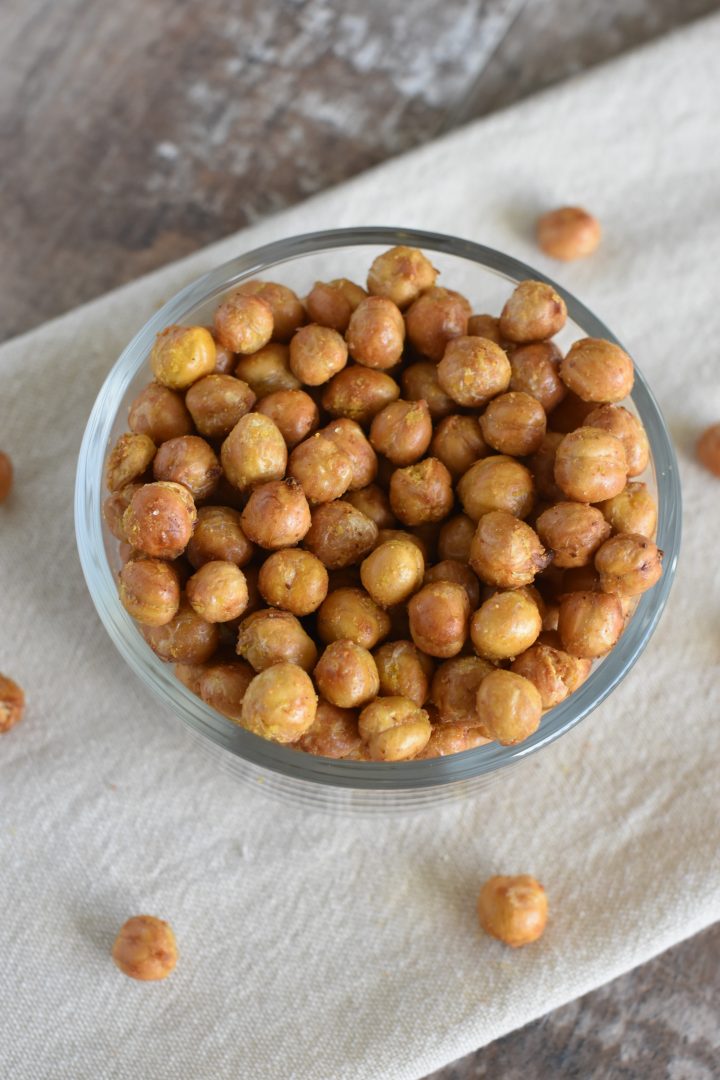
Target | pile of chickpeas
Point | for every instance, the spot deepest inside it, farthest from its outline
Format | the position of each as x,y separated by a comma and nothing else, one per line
376,526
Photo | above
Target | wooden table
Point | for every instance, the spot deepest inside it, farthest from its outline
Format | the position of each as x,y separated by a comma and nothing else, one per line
135,131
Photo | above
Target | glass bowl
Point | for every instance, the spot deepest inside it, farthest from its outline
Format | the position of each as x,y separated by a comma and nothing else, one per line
486,277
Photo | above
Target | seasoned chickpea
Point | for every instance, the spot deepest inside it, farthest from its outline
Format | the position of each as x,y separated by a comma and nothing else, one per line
534,312
6,475
598,370
277,514
589,623
149,590
243,323
401,274
536,371
334,733
280,703
218,591
186,639
708,449
505,625
160,414
191,461
331,303
374,503
394,729
402,431
568,233
459,572
435,318
114,507
293,580
393,572
128,460
505,552
267,370
628,564
513,909
359,393
254,452
542,466
514,423
145,948
473,370
422,492
340,535
455,686
159,520
446,739
458,443
507,707
270,637
632,511
217,402
485,326
349,437
293,411
222,686
420,383
590,465
346,675
12,704
627,428
352,615
496,483
181,355
316,354
439,615
218,535
553,672
573,532
399,534
322,468
376,333
404,671
456,537
287,312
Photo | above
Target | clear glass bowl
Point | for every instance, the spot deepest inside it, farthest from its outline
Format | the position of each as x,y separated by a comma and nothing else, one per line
486,278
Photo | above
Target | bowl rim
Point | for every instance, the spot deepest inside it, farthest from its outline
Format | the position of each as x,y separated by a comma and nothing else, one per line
410,776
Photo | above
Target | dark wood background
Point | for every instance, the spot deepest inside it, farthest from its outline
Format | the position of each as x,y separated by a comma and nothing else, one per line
135,131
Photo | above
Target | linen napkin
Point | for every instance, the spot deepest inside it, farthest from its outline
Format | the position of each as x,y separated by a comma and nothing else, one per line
324,948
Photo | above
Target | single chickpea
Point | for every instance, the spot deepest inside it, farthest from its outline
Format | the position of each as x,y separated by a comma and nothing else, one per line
254,452
243,323
458,443
402,431
496,483
536,371
12,704
218,591
287,311
420,383
404,671
627,428
708,449
359,393
632,511
334,733
514,423
114,507
346,675
590,465
446,739
322,468
568,233
216,403
128,459
534,312
513,909
456,536
507,707
628,564
270,637
589,623
293,412
277,514
160,414
218,535
439,615
598,370
159,520
553,672
506,552
473,370
181,355
316,354
505,625
393,572
267,370
349,437
455,686
340,535
376,333
485,326
352,615
570,413
280,703
394,729
186,639
542,466
435,318
401,275
399,534
422,492
374,503
573,532
223,686
331,303
191,461
145,948
6,475
293,580
460,573
149,590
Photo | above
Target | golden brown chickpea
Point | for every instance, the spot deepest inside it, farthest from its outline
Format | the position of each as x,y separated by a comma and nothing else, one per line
553,672
473,370
149,590
394,729
349,437
191,461
254,452
352,615
496,483
485,326
270,637
435,318
573,532
376,333
334,733
598,370
293,580
267,370
542,466
514,423
458,443
399,534
346,675
218,591
534,312
114,507
293,411
217,402
218,535
402,431
401,274
507,707
277,514
632,511
535,371
420,383
421,493
505,552
627,428
708,449
243,323
12,704
456,537
439,615
393,572
568,233
287,311
513,909
590,465
628,564
186,639
322,468
316,354
448,739
455,686
160,414
128,460
222,686
589,623
181,355
374,503
145,948
159,520
340,535
505,625
331,303
459,572
404,671
359,393
280,703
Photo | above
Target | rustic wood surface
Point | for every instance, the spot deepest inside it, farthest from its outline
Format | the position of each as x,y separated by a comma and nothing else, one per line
135,131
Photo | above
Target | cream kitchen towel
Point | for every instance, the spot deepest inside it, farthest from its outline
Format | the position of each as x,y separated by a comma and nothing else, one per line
322,948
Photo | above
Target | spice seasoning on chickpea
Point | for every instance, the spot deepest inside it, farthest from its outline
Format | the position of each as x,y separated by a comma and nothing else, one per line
506,625
288,314
114,508
506,552
334,732
349,437
439,615
159,519
513,909
404,671
267,370
129,458
322,468
331,303
393,572
394,729
293,412
627,428
316,354
455,686
359,393
590,465
280,703
222,686
181,355
402,431
376,333
573,532
340,535
628,564
145,948
632,511
218,535
243,323
498,482
270,637
420,383
346,675
473,370
534,312
708,449
514,423
350,614
589,623
553,672
254,452
277,514
159,413
535,371
218,591
421,493
12,704
293,580
401,275
186,639
216,403
452,738
149,590
191,461
459,572
598,370
458,443
485,326
435,318
508,707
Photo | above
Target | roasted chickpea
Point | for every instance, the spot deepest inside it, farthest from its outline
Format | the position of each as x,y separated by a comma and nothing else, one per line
394,729
458,443
632,511
446,739
401,275
485,326
374,503
589,623
293,580
270,637
393,572
280,703
542,466
514,423
331,303
404,671
420,383
160,414
159,520
439,615
191,461
573,532
267,370
628,564
225,359
455,686
340,535
186,639
190,676
145,948
149,590
598,370
128,460
181,355
534,312
708,449
322,468
12,704
456,537
568,233
435,318
376,333
402,431
243,323
218,535
496,483
334,733
590,465
114,507
223,686
359,393
627,428
513,909
535,371
553,672
459,572
293,411
352,615
346,675
505,625
473,370
287,312
505,552
507,707
218,591
422,492
217,402
277,514
254,452
399,534
316,354
349,437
